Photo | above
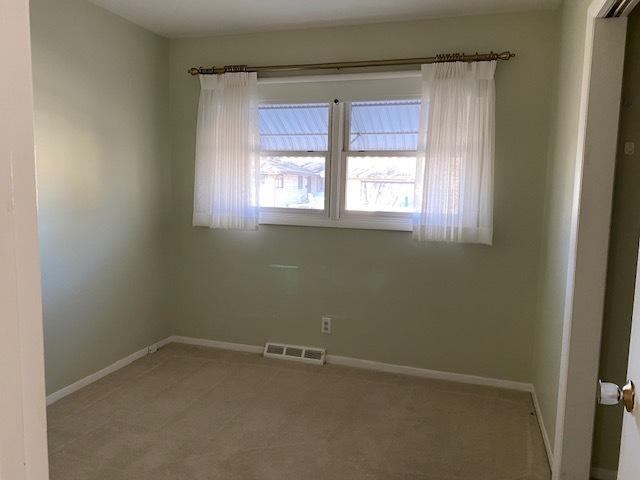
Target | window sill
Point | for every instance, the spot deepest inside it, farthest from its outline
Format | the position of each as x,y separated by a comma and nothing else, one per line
364,221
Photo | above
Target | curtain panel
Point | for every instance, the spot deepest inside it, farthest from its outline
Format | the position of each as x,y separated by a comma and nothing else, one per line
454,177
227,156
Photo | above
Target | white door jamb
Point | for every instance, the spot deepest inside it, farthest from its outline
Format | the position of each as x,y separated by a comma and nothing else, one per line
23,440
589,241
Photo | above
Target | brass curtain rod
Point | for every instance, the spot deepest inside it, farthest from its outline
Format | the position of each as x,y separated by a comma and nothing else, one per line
446,57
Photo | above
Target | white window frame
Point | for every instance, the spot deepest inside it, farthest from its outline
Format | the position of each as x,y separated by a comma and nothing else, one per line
301,216
368,219
335,214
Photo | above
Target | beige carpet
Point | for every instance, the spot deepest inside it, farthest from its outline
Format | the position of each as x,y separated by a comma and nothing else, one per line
198,413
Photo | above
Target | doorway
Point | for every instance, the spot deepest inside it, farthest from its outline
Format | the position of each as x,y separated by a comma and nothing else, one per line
590,224
623,254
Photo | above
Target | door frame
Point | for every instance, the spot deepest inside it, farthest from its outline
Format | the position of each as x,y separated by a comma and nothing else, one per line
589,241
23,440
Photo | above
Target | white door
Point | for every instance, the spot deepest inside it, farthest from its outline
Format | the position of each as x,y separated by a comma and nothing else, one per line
611,394
629,466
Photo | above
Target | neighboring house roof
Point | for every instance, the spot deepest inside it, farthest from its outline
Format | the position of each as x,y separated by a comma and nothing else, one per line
280,166
392,173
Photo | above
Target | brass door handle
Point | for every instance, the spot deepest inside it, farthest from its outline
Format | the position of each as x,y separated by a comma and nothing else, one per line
611,394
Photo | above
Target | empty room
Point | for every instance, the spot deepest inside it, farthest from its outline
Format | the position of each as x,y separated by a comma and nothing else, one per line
357,239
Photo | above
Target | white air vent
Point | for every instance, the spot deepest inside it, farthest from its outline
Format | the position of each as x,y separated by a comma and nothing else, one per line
274,349
295,353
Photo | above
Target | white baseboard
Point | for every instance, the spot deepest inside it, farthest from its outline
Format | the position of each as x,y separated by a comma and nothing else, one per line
371,365
202,342
543,429
603,474
123,362
426,373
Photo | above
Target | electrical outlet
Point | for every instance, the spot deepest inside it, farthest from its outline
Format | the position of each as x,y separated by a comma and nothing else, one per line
325,325
629,148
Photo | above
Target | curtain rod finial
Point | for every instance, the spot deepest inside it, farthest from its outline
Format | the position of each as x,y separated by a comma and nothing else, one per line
194,71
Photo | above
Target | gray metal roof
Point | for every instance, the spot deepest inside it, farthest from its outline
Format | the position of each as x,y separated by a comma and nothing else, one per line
294,127
389,125
383,125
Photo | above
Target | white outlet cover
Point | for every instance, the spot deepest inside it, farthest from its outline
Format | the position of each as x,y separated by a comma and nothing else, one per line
629,148
326,325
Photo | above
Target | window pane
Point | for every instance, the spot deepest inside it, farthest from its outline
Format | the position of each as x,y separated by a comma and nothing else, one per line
385,125
296,127
381,184
292,182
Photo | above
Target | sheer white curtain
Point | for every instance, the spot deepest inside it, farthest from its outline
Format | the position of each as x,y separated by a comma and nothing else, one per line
227,156
454,178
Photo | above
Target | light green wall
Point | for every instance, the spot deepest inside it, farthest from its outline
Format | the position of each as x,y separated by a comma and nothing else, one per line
623,253
458,308
101,108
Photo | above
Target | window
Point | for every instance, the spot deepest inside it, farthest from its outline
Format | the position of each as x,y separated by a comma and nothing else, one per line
294,144
342,164
381,158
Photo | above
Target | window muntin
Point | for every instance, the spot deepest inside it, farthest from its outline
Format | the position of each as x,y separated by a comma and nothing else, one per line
294,143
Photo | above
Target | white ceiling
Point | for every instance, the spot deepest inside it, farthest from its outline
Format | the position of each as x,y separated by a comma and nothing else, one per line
180,18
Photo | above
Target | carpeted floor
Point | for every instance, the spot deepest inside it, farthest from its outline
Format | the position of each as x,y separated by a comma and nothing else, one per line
188,412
